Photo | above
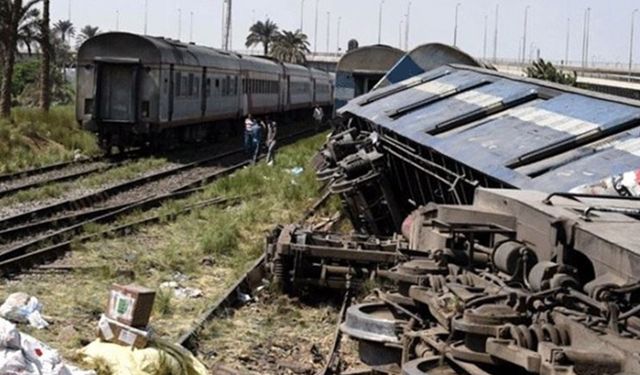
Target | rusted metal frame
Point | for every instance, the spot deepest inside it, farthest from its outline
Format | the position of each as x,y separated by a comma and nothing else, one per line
449,185
342,254
332,365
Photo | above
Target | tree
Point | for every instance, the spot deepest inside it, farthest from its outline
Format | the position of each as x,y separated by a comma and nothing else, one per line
29,29
45,69
65,30
12,13
262,33
291,47
87,32
546,71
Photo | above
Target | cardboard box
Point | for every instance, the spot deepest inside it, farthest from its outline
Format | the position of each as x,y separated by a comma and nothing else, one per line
130,305
115,332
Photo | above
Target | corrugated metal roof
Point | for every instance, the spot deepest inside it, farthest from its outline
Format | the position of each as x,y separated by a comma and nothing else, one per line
527,133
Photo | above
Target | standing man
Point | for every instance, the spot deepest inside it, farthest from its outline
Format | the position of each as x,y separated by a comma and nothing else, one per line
256,134
272,131
318,116
248,136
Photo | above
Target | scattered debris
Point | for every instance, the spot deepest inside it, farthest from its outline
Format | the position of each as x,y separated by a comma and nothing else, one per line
23,308
23,354
180,291
296,171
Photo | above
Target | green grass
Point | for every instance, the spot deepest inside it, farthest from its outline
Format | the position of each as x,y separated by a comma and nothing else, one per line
229,236
32,138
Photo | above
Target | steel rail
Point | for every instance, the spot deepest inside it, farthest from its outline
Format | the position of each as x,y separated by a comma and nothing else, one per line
11,259
63,178
28,260
104,194
228,300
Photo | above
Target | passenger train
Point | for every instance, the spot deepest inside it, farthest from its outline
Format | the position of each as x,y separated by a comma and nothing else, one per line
136,90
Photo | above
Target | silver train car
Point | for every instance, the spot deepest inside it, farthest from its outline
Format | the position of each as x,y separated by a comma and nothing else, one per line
135,90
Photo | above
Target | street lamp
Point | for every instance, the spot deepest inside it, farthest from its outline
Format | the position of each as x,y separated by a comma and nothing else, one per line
455,27
301,15
315,33
566,47
495,35
633,19
179,23
117,20
524,36
484,45
585,37
380,22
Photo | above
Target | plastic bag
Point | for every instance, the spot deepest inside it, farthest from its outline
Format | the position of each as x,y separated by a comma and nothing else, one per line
25,355
22,308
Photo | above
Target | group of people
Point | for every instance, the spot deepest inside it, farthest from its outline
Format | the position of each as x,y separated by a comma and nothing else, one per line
253,141
255,128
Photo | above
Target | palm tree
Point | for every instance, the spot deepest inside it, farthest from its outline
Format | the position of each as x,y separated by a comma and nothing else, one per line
291,47
262,33
87,32
12,13
546,71
29,29
64,29
45,68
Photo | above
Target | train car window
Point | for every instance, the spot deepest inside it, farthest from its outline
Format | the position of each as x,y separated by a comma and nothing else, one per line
185,86
217,83
196,86
178,80
208,87
235,86
191,88
166,85
228,85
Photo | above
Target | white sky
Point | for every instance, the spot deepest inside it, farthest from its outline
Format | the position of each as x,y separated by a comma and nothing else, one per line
431,20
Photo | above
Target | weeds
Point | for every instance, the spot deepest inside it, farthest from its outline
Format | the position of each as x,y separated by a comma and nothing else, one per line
32,138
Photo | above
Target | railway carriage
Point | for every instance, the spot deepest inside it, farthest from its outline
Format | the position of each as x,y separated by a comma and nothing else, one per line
136,90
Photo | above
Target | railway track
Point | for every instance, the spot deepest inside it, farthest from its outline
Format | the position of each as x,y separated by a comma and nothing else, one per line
61,231
251,279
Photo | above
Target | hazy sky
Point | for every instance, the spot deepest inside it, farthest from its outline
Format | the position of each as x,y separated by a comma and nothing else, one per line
431,20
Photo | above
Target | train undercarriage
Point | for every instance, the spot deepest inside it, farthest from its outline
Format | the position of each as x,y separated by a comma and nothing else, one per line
512,281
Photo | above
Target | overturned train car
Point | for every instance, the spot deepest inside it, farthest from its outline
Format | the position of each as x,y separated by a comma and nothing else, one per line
508,262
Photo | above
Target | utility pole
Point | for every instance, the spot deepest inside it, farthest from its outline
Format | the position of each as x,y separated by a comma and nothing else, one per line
338,35
484,45
455,27
301,15
633,20
118,20
146,15
495,35
380,22
328,31
69,10
400,34
406,32
585,37
226,36
566,47
179,23
524,34
315,33
191,27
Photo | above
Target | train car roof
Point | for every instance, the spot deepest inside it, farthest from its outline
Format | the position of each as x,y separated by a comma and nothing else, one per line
261,64
153,50
527,133
377,59
427,57
293,68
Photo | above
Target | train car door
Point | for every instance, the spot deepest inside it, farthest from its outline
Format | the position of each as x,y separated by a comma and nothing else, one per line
118,90
171,91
